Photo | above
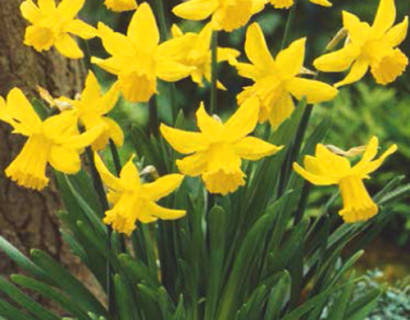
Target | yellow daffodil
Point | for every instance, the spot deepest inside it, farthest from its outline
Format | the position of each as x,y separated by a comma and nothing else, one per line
193,50
327,168
121,5
217,150
276,81
92,108
226,15
55,140
284,4
135,57
373,47
52,26
133,200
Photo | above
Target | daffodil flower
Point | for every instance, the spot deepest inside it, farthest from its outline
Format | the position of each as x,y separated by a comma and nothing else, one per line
55,140
52,26
121,5
217,151
135,58
373,47
277,80
327,168
133,200
193,50
284,4
226,15
92,108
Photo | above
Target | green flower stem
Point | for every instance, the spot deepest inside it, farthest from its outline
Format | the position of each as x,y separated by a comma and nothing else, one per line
153,117
118,167
214,71
165,35
115,157
98,185
291,16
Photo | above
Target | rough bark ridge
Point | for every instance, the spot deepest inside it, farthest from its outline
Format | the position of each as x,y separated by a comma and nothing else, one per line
27,218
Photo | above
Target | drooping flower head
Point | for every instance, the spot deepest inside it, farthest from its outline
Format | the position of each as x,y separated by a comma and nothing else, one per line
121,5
92,108
217,151
327,168
277,80
226,14
284,4
193,50
133,200
52,26
135,59
373,47
55,140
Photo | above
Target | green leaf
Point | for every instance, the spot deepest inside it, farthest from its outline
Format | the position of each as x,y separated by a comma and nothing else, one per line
338,310
11,313
278,296
25,301
359,309
51,293
138,271
67,282
21,260
249,254
123,298
217,225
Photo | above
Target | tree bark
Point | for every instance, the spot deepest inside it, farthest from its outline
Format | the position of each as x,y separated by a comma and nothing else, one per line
27,218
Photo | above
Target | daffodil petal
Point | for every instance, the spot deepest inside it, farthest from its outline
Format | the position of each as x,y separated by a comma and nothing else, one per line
291,59
143,30
46,5
92,89
163,213
172,71
129,174
247,70
251,148
374,165
81,29
398,33
115,131
193,165
281,111
195,9
323,3
358,70
64,159
115,43
314,91
244,120
313,178
68,47
30,11
207,124
183,141
337,61
385,16
357,30
255,47
163,186
19,108
70,8
109,179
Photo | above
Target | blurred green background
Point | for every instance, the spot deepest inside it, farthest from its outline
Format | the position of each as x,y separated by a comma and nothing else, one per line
359,112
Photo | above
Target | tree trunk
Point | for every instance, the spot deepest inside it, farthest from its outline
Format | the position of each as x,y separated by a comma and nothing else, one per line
27,218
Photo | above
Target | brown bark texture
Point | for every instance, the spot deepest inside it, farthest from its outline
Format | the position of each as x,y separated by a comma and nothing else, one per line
27,218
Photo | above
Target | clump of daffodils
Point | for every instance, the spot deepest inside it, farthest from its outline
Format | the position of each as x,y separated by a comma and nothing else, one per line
218,152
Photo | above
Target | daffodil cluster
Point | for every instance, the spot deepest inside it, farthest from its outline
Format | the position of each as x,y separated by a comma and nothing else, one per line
141,57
